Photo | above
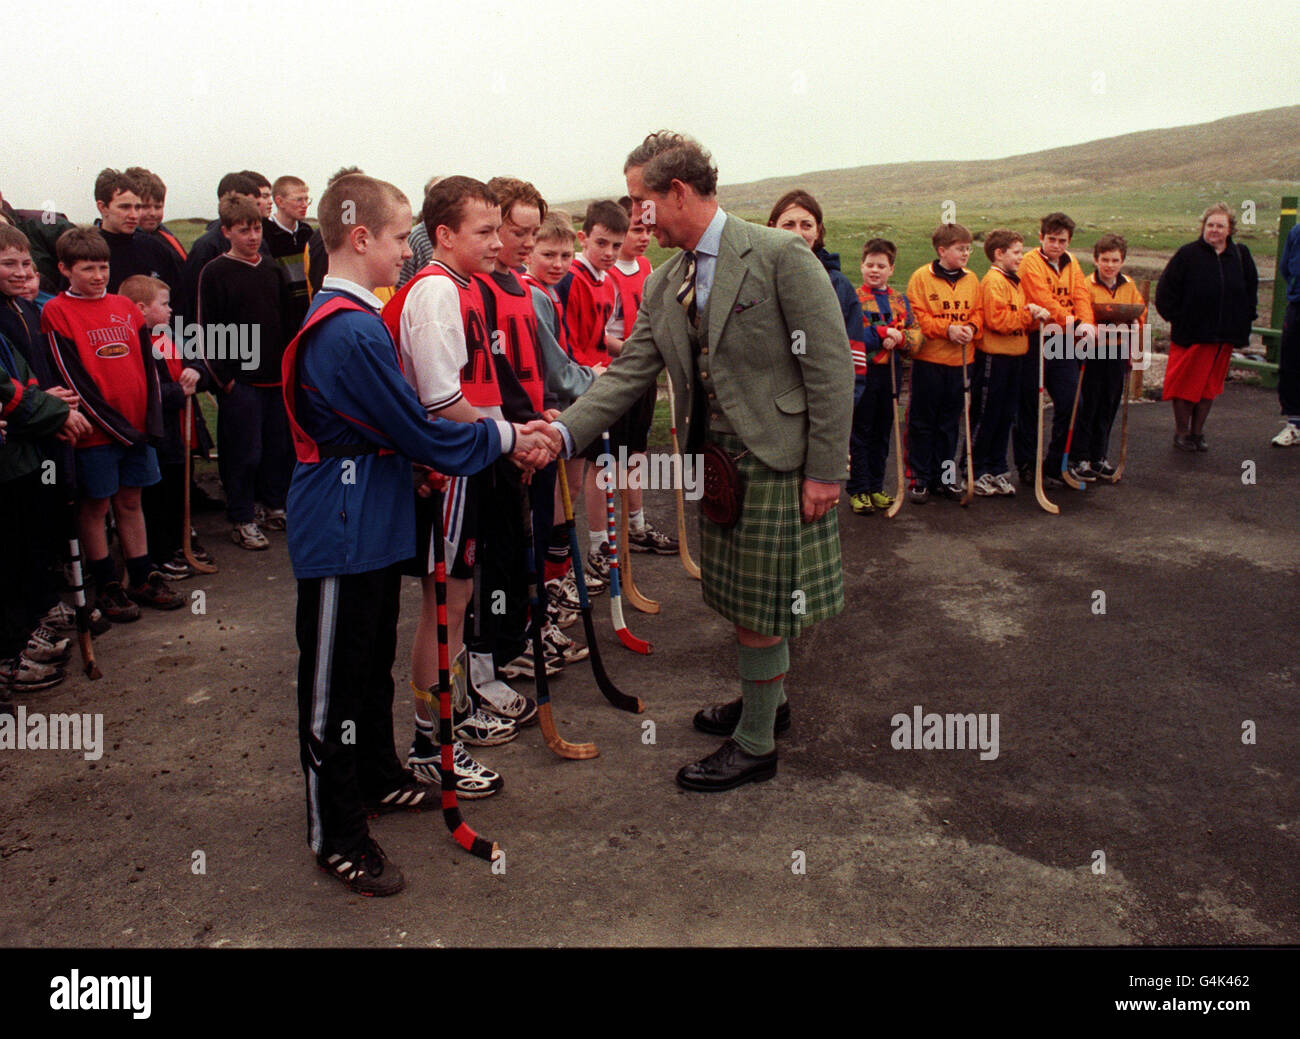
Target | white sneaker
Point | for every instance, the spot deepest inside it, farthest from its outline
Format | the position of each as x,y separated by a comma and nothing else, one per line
563,592
249,536
473,780
47,647
1289,437
61,617
561,617
524,666
1004,485
24,675
986,487
482,729
559,643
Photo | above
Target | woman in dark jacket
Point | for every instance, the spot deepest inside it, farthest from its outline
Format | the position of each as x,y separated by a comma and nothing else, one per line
798,212
1208,294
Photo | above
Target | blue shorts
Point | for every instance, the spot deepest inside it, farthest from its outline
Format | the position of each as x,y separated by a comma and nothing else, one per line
102,470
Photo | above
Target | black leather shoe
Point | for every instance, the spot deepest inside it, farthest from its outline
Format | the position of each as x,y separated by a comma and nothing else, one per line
727,767
722,718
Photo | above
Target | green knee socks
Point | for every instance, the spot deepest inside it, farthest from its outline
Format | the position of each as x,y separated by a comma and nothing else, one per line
762,671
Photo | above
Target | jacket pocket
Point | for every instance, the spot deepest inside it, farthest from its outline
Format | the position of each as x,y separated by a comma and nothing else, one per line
793,401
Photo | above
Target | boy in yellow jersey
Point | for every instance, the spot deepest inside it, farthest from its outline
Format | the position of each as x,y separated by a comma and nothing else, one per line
1053,279
945,299
1103,378
999,356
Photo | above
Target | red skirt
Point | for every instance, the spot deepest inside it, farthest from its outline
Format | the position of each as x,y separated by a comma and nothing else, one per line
1196,372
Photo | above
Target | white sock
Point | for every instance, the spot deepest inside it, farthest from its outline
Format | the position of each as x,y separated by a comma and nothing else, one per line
636,520
597,538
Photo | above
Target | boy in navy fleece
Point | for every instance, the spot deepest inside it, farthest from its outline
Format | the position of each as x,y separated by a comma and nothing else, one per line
153,199
356,423
131,251
241,303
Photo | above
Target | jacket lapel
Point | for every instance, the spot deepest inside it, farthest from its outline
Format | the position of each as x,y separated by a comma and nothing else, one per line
676,313
728,276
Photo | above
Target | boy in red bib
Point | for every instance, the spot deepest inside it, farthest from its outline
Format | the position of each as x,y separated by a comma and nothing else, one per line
629,275
439,321
588,296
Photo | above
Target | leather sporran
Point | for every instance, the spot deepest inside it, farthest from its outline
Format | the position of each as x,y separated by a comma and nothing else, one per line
724,487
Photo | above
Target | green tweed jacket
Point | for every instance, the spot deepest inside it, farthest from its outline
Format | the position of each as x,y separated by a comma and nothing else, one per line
779,359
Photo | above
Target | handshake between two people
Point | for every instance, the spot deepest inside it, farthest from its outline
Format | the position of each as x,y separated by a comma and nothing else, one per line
537,443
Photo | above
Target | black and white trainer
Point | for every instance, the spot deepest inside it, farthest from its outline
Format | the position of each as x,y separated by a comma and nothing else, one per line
649,539
561,617
365,870
482,729
61,618
46,646
411,796
473,779
177,568
525,665
23,675
559,644
596,571
562,592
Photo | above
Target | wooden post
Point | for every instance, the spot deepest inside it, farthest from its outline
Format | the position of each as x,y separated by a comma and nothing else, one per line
1136,375
1285,221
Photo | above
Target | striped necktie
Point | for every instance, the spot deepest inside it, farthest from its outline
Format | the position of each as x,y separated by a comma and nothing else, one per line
686,291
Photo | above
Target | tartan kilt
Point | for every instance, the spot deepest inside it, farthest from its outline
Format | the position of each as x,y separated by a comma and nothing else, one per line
751,573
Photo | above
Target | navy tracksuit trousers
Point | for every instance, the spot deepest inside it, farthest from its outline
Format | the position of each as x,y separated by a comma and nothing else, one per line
995,396
933,419
873,401
1060,377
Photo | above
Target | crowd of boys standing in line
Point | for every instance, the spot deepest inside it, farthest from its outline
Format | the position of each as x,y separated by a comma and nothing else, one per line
106,365
497,326
96,387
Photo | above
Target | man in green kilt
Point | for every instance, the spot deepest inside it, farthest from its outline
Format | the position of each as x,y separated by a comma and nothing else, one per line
746,318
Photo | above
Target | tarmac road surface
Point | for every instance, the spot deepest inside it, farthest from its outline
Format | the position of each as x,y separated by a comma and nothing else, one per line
1156,739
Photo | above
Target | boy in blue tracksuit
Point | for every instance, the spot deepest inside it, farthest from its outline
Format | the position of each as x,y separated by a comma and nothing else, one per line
357,425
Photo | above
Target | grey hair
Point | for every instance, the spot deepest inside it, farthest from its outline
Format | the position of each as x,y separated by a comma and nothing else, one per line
666,156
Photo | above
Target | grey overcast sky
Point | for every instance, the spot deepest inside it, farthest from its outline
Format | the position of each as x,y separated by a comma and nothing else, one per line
558,91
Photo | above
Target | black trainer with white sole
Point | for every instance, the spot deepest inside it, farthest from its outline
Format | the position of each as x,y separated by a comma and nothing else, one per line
652,540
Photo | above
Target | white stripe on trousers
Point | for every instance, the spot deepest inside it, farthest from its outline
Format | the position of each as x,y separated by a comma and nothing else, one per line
453,520
326,621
